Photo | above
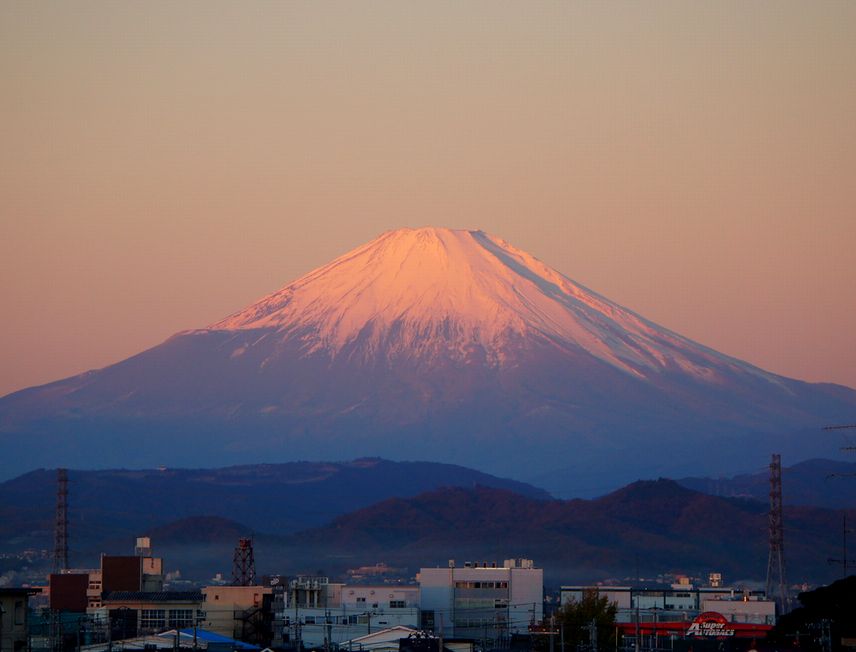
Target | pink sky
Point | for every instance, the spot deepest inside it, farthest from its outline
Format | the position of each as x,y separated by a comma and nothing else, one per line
165,164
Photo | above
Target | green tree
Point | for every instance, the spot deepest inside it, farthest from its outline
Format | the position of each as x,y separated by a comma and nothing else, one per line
574,622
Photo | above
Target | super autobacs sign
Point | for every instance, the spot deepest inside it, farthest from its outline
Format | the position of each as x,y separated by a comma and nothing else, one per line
710,624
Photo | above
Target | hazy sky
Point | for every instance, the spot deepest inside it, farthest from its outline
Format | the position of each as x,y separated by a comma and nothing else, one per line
164,164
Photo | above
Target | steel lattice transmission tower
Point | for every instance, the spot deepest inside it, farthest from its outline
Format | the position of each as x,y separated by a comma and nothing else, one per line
60,558
776,584
244,563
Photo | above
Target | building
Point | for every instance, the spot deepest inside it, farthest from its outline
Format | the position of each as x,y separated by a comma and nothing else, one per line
681,603
316,610
683,612
80,590
14,615
241,612
137,613
384,640
481,600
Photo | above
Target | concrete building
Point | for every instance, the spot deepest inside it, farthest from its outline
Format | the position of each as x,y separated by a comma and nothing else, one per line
681,603
14,625
683,612
316,610
481,600
80,590
136,613
236,611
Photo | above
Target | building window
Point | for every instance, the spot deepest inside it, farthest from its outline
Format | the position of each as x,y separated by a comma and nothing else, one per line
152,619
361,599
19,612
397,604
180,618
309,620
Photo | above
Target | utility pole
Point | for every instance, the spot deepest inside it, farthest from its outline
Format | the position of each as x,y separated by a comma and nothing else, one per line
637,624
327,630
552,633
593,635
844,531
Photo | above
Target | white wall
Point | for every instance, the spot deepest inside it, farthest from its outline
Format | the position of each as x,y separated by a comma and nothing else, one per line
521,592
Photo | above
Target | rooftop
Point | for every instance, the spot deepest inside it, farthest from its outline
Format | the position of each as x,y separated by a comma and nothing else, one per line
153,596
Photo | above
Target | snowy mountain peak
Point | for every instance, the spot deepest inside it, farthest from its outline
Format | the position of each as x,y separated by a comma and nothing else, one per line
426,291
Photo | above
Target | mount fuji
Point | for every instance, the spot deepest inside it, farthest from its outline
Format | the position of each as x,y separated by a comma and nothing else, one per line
435,344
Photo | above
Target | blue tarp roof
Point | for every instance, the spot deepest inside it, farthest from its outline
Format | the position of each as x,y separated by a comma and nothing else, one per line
212,637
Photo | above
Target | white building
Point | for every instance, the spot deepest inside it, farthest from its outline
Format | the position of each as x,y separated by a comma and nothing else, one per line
481,600
317,610
680,602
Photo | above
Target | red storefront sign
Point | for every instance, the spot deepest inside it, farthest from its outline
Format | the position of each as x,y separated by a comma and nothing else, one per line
710,624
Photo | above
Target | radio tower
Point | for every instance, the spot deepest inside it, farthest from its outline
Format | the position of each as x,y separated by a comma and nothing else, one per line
244,563
776,561
60,560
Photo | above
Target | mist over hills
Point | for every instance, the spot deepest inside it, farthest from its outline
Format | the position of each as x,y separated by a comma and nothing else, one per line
652,527
656,526
816,482
437,344
117,505
306,517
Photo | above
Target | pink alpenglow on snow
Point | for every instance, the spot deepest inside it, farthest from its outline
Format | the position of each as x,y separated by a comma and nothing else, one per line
460,289
432,344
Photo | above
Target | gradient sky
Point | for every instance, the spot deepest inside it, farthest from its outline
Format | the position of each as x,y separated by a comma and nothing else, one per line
163,164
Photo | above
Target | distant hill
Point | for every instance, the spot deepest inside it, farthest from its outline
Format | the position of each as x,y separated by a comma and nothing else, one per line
818,482
657,525
653,526
196,529
106,506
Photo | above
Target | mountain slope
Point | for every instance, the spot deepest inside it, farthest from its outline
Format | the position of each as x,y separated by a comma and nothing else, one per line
657,526
270,498
429,344
816,482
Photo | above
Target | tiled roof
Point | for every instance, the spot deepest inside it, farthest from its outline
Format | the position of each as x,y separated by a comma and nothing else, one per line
153,596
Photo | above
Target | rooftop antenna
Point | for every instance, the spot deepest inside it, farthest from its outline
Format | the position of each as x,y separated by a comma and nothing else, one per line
60,558
845,563
847,426
244,563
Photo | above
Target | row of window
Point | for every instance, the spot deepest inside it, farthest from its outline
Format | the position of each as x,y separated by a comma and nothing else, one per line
361,619
480,603
393,604
160,618
481,585
479,622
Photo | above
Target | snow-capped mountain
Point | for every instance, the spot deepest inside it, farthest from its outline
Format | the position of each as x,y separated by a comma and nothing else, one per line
465,296
431,344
